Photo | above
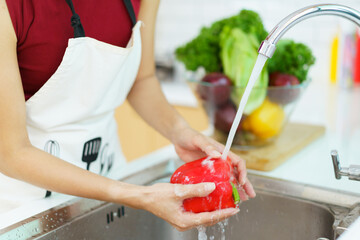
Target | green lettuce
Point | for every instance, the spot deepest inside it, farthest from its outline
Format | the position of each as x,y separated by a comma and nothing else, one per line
203,50
292,58
238,53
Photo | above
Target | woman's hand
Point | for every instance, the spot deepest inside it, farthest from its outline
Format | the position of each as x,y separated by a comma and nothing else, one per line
191,145
165,200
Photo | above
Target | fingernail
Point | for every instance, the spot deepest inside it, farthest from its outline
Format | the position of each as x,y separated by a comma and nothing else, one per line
215,154
243,181
210,186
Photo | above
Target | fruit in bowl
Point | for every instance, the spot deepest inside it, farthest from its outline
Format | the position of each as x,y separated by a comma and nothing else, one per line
220,92
266,121
283,95
227,51
260,126
224,117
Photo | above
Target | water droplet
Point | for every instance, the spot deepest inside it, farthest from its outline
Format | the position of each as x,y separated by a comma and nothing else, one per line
202,233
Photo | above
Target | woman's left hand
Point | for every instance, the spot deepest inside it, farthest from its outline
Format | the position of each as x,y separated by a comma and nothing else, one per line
191,145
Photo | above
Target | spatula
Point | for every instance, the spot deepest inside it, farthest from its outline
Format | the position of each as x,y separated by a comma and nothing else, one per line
91,151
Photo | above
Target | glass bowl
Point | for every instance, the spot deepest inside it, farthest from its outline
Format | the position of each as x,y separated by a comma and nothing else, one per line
265,116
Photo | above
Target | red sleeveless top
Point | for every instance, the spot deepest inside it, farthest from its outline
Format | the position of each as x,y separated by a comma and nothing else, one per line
43,29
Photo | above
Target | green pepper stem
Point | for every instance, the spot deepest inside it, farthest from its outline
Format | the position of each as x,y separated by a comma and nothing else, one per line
235,194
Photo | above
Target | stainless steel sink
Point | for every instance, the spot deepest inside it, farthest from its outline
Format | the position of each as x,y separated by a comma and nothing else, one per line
281,210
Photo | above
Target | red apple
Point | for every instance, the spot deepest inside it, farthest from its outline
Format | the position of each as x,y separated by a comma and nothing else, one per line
281,90
282,79
224,117
215,88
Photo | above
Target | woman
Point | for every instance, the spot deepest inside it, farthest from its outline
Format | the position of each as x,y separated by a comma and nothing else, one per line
57,99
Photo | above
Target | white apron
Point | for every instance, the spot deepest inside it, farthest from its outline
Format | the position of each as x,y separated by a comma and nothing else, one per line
72,115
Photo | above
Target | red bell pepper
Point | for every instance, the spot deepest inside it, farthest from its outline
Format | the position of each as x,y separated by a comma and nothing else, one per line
213,170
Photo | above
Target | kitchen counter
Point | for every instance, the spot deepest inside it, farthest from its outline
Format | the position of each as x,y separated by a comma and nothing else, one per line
319,105
339,111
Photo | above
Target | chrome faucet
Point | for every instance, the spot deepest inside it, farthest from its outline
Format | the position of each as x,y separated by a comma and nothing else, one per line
268,46
353,171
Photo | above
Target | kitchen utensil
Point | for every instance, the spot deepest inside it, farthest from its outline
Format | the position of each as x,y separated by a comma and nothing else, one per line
52,147
110,162
103,157
91,151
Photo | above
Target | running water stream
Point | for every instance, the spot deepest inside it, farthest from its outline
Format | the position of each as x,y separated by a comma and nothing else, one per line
260,62
202,233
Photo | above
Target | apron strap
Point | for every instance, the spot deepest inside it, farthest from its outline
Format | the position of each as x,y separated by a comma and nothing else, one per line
75,21
78,28
130,10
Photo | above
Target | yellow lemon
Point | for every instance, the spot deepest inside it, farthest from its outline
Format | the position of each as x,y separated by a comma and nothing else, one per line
266,121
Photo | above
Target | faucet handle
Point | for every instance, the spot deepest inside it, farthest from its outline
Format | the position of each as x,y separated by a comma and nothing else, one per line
353,172
336,163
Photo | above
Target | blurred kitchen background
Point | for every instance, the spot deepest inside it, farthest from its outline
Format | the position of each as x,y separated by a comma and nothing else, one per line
181,20
335,105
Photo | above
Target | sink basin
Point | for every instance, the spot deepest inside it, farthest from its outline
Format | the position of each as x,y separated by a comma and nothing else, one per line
266,215
281,211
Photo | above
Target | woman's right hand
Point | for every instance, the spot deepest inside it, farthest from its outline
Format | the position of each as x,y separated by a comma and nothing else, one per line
165,200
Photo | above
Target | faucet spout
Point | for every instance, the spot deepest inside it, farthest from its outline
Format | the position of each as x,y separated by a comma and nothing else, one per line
268,46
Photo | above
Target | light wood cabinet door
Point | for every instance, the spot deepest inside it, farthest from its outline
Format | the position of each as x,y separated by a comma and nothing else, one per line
138,139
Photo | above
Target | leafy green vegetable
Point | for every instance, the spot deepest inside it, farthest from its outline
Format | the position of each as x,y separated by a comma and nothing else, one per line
238,54
204,49
291,58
